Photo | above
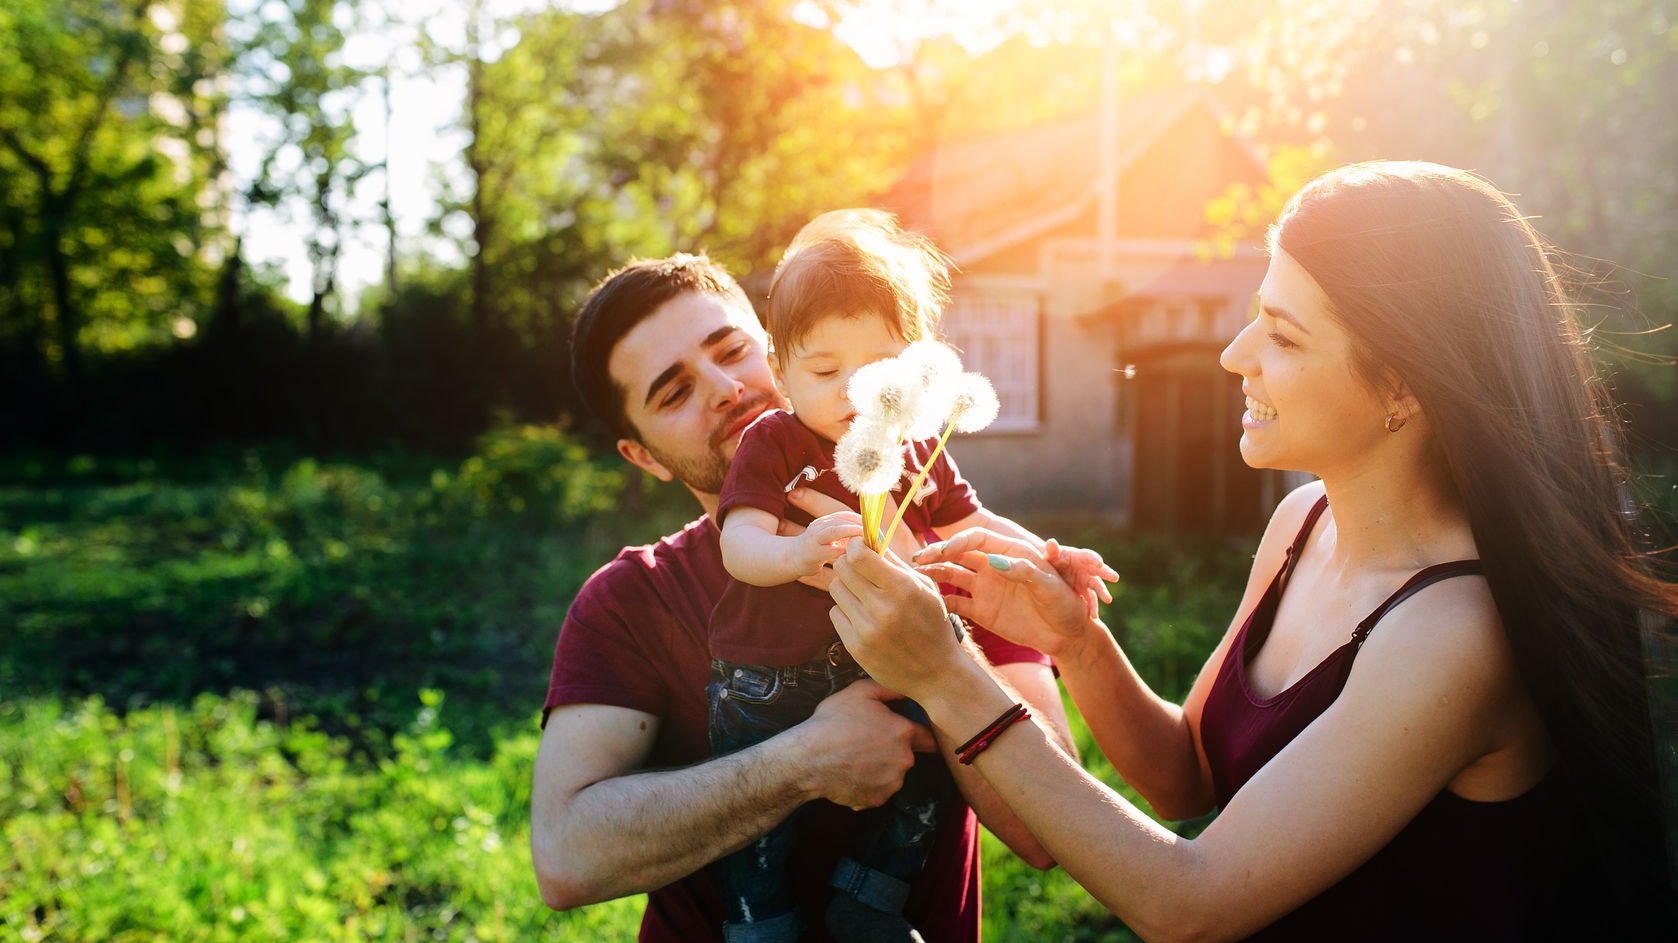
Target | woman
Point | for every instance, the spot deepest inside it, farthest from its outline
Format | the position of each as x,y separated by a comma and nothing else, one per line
1429,717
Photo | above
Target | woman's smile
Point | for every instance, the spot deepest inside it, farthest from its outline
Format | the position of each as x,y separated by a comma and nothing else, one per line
1257,414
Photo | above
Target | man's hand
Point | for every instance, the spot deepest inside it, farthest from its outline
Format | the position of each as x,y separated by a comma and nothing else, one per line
860,747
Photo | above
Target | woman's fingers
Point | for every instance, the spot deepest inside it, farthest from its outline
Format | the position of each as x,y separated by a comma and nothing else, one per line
955,575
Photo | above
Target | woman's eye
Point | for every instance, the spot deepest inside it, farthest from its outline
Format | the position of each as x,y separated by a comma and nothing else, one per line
1281,341
734,353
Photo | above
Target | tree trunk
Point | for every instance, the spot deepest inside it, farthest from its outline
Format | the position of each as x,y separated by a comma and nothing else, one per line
68,321
229,302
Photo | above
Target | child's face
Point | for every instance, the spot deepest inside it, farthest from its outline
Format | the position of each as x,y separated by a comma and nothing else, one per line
818,369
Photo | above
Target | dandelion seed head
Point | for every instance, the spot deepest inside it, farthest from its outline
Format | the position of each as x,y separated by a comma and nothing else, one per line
887,390
932,360
869,458
976,405
938,368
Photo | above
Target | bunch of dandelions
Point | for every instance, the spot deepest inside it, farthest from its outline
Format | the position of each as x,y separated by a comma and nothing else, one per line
916,395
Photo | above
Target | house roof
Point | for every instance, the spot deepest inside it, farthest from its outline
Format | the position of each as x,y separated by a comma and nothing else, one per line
981,194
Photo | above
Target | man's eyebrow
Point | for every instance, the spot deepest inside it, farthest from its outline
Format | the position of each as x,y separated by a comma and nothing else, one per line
671,372
1282,314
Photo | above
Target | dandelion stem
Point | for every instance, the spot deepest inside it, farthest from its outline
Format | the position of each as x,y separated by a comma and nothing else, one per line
915,486
873,507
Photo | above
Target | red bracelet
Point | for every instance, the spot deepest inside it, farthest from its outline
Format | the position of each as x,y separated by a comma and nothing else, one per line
981,741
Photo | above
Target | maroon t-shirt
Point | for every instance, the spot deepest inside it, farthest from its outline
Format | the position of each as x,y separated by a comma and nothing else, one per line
789,623
635,637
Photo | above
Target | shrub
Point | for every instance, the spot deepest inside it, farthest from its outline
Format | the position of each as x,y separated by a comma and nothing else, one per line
539,474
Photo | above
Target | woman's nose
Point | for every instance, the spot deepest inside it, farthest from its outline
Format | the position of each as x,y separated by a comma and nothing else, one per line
1235,357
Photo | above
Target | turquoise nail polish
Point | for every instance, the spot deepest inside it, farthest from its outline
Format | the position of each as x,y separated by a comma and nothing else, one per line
997,561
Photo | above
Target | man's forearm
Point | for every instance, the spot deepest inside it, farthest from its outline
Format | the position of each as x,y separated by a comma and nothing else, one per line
601,828
640,831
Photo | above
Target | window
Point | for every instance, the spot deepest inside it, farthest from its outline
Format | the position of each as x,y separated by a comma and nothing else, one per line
1001,338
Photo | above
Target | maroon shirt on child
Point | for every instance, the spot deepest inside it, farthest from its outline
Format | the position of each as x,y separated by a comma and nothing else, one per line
789,624
1460,870
635,638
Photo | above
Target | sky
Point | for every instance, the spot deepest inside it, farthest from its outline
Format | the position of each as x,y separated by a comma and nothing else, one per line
424,145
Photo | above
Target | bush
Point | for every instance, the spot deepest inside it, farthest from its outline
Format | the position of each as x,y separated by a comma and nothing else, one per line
208,823
538,474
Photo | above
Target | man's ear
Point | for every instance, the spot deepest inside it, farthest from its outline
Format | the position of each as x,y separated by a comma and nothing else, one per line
636,454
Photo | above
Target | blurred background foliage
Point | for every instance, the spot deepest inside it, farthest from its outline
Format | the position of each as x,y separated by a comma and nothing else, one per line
282,557
131,315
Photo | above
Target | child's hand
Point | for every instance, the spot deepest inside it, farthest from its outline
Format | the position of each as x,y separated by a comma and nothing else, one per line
1084,571
825,539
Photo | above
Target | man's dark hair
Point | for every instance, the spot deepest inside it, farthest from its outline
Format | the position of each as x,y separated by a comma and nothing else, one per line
620,301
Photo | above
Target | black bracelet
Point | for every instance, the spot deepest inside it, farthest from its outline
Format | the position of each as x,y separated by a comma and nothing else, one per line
1013,715
1001,721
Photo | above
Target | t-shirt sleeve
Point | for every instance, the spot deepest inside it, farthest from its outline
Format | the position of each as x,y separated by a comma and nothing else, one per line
954,499
762,466
601,657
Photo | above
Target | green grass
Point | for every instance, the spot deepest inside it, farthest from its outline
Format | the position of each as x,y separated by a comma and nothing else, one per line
262,696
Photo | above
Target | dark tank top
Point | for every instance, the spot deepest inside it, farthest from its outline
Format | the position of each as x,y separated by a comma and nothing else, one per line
1460,870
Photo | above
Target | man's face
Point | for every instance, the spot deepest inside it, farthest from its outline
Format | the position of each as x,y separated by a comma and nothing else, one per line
693,375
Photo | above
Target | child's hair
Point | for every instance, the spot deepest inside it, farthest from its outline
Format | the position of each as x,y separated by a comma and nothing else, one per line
851,262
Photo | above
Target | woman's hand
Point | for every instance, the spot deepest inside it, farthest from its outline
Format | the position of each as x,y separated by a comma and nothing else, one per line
894,623
1016,591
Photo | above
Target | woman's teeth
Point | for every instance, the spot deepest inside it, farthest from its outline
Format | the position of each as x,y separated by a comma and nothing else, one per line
1259,411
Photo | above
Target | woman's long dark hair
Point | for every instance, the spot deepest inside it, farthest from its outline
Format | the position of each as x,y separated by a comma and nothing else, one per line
1444,286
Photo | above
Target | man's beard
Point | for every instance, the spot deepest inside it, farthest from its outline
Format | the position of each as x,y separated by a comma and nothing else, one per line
705,471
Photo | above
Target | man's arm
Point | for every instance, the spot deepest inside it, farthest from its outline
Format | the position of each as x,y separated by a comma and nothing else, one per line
600,829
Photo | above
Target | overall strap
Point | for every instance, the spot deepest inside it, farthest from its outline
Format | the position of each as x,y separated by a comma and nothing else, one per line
1423,579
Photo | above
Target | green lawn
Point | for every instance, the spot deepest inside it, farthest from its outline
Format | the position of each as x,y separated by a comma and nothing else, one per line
260,696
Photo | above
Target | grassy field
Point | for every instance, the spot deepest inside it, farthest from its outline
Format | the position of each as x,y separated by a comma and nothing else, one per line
259,696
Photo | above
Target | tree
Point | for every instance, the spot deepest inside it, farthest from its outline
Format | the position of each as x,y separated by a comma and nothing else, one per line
101,176
291,67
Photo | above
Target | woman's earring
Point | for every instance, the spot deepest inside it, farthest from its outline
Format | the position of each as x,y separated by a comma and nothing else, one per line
1395,422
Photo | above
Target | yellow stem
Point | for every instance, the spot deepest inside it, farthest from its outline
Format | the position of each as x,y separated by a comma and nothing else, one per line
873,507
915,486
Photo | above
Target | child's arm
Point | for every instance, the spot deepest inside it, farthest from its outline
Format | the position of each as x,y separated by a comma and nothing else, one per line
754,554
991,522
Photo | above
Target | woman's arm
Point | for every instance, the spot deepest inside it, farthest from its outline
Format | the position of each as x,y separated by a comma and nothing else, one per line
1152,743
1416,710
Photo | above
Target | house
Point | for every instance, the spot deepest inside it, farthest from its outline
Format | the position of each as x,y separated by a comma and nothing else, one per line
1087,293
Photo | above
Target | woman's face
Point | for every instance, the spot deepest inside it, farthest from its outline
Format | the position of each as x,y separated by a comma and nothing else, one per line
1307,409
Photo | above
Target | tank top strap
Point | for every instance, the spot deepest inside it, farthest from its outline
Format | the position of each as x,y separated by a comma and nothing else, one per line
1298,545
1422,579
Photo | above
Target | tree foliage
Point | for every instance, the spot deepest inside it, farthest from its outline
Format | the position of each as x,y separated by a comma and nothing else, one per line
651,126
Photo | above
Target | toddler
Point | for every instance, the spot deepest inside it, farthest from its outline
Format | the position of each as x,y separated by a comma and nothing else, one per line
852,289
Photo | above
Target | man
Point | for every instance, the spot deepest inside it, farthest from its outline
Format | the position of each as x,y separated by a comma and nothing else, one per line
626,798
